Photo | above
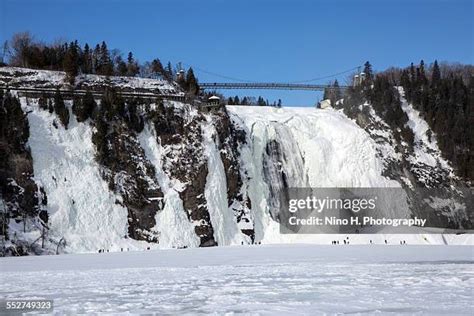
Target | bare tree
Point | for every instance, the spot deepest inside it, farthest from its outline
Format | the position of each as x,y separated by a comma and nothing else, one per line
20,46
457,69
4,52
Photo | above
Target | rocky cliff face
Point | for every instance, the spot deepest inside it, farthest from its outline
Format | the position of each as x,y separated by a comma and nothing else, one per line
179,130
153,174
411,156
20,194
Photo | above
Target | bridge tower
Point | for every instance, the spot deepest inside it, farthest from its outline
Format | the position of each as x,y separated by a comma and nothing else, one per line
358,79
180,73
180,76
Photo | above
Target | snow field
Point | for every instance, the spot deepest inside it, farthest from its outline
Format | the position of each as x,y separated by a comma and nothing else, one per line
251,280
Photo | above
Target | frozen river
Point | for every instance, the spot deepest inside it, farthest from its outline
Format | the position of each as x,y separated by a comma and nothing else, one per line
268,280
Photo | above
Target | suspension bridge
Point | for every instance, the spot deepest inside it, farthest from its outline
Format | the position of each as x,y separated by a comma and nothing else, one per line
305,85
268,86
234,83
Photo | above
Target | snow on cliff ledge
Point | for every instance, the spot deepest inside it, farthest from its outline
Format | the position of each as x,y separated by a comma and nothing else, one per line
32,78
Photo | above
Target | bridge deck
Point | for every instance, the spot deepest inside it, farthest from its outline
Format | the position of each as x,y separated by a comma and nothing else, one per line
267,86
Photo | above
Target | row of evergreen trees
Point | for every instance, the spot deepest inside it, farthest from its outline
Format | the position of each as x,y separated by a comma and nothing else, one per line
99,59
443,96
112,108
246,100
382,94
18,190
57,106
14,125
70,57
447,103
112,105
188,82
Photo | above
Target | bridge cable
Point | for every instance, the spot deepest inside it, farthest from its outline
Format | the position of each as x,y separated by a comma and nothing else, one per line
217,75
329,76
251,81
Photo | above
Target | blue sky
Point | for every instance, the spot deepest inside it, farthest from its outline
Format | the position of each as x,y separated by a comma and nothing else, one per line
266,40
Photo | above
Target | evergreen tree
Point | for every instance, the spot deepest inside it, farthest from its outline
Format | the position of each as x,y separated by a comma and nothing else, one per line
369,75
422,69
191,82
50,106
436,74
106,65
99,138
130,59
122,68
87,60
96,60
84,107
157,67
133,119
106,105
326,93
169,72
77,109
43,102
404,78
337,91
132,66
89,104
406,83
71,62
60,108
118,104
412,73
13,123
421,74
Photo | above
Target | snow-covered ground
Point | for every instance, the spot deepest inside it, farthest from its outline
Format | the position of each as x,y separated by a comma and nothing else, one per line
265,280
24,77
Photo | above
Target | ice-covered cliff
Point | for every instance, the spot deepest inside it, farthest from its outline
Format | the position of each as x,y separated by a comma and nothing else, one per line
189,178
